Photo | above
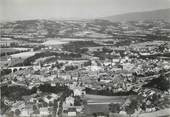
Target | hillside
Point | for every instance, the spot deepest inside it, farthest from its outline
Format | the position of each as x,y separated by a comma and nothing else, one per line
147,15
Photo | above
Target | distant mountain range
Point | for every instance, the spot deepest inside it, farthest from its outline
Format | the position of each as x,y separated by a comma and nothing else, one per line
146,15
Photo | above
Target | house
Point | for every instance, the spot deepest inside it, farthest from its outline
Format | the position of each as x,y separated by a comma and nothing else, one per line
65,76
27,110
69,101
18,105
101,114
77,92
79,108
94,68
128,66
116,60
69,108
50,98
44,111
25,113
72,112
122,112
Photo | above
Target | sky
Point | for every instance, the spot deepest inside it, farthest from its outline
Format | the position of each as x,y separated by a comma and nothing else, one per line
78,9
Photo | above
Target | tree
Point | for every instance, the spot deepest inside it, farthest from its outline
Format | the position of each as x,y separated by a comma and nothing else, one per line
160,83
17,112
88,63
71,67
114,108
162,47
130,109
105,50
51,103
10,114
34,107
5,72
81,50
55,106
77,101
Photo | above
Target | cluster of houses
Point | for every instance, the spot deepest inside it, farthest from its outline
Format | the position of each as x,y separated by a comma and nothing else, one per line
36,105
117,74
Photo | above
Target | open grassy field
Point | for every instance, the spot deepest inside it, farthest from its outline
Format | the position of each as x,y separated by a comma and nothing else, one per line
97,108
104,98
97,103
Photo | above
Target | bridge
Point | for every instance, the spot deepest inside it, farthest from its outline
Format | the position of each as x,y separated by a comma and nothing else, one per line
13,69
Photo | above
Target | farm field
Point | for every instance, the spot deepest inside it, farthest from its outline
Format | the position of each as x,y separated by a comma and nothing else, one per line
54,42
23,55
22,49
4,50
62,41
11,50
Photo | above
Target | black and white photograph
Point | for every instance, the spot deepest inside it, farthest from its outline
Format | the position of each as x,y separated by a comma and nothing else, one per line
85,58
